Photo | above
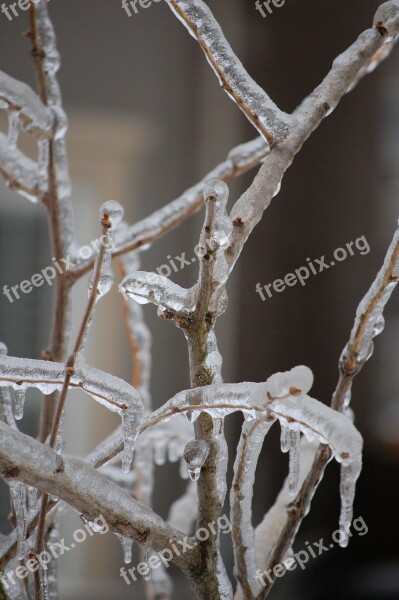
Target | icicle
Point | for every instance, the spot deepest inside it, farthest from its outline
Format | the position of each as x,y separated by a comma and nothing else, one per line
294,460
349,475
13,129
160,452
43,157
148,574
183,472
285,438
195,454
18,496
32,498
173,451
127,547
19,401
129,427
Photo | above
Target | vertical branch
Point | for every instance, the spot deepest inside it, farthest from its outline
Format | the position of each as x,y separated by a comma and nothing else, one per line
57,198
205,369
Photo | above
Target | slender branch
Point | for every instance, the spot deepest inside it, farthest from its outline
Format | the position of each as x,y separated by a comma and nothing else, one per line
368,315
240,160
248,209
260,110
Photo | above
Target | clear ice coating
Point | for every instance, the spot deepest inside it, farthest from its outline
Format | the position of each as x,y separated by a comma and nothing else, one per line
18,497
149,287
19,402
195,455
127,547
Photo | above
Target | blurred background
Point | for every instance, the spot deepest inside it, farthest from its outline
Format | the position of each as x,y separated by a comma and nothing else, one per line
147,120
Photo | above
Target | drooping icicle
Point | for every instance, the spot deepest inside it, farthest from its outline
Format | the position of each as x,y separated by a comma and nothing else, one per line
19,402
294,460
31,498
349,475
129,428
160,449
285,438
148,573
127,547
13,129
195,454
18,497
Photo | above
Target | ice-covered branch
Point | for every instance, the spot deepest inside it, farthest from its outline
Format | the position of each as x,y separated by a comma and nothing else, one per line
368,323
114,393
261,111
248,209
20,99
20,172
240,159
87,491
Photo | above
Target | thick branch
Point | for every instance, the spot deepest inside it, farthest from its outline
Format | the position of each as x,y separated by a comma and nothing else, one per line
87,491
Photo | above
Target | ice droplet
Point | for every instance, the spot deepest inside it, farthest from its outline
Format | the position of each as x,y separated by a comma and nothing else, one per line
3,349
19,401
160,452
294,461
195,454
139,299
18,497
127,547
114,212
379,325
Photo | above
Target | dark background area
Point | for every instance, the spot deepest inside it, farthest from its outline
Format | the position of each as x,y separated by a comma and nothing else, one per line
343,185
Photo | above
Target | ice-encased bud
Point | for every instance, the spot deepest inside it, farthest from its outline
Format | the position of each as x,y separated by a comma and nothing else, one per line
112,211
217,189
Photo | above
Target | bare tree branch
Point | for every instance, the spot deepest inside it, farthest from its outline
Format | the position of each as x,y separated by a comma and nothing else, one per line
261,111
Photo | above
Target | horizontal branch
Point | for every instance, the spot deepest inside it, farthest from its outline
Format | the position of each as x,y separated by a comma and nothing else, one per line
240,159
34,116
257,106
87,491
